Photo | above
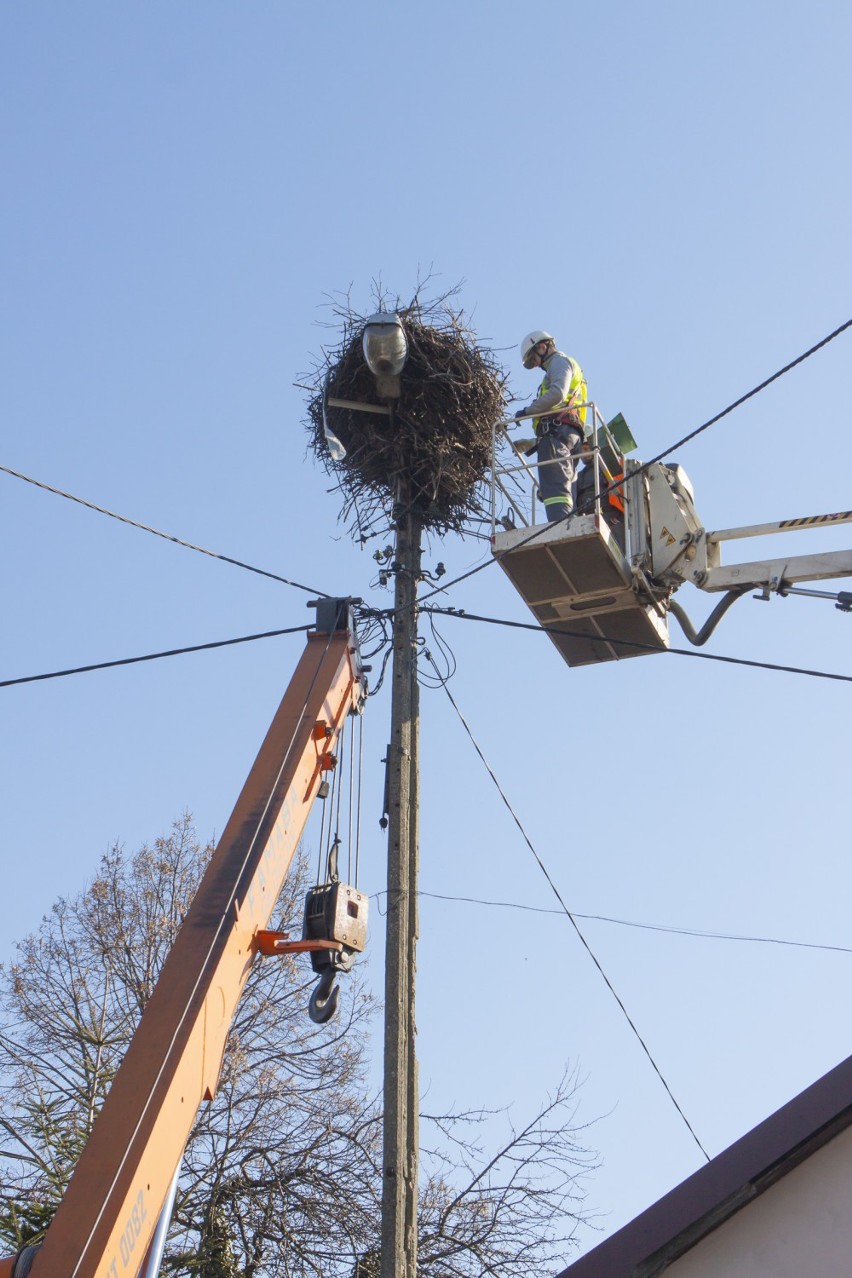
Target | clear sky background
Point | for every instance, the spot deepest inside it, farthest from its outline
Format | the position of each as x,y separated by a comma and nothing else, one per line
666,187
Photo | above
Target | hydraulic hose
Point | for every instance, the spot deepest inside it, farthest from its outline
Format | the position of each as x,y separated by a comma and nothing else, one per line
700,637
24,1261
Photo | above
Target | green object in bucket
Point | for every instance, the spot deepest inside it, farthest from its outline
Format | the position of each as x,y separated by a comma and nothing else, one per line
620,433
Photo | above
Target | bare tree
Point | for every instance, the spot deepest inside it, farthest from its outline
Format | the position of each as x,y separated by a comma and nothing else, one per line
513,1210
279,1170
281,1177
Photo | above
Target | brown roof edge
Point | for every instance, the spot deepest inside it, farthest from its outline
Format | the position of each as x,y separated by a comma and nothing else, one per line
646,1245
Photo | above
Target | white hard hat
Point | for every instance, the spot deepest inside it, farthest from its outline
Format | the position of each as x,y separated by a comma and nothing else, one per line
532,339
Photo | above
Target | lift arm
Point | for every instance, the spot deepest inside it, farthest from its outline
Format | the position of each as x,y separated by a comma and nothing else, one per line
105,1222
775,573
676,547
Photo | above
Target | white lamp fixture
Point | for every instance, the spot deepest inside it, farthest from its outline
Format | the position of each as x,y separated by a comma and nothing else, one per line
385,350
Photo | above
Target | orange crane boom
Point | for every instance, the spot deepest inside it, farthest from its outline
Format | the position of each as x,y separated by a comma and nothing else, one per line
108,1215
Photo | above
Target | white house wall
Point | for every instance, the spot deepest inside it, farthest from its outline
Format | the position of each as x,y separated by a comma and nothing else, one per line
800,1228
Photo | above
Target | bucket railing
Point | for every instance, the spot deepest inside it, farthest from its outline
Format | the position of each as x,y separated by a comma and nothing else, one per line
516,480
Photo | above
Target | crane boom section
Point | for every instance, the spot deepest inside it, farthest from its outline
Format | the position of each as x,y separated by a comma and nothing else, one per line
104,1224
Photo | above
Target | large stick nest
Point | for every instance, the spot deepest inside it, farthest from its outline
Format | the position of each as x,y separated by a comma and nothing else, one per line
432,452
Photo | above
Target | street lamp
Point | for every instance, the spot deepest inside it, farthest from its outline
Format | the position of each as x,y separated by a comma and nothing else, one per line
385,350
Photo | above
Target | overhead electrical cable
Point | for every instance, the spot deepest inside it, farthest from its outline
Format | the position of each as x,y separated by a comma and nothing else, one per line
800,359
569,915
700,933
538,532
178,541
630,643
153,656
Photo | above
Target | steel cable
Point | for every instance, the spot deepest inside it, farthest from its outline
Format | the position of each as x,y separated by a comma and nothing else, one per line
178,541
554,889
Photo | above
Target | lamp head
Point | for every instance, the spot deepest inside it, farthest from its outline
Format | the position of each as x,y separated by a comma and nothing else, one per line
385,345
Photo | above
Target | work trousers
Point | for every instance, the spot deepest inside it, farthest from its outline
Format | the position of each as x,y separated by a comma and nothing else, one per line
557,467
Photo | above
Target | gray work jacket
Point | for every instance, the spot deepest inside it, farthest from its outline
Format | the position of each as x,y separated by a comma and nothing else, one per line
558,371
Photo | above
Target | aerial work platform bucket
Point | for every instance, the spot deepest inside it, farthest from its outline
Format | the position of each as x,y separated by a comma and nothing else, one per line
575,575
577,584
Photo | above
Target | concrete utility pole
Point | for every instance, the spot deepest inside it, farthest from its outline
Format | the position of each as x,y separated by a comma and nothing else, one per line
401,1094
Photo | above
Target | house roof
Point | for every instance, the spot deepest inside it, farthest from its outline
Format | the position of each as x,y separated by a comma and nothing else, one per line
648,1244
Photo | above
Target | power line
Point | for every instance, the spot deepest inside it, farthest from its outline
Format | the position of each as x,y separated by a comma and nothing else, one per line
800,359
152,656
213,554
665,453
568,913
630,643
645,927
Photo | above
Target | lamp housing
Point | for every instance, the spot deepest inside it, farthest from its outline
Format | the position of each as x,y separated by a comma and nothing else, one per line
385,349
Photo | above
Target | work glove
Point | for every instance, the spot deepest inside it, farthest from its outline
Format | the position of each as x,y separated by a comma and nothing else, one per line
525,446
521,412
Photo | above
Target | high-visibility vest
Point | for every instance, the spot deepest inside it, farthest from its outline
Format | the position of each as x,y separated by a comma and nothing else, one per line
577,393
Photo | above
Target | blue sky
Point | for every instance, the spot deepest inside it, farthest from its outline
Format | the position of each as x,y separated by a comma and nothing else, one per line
666,188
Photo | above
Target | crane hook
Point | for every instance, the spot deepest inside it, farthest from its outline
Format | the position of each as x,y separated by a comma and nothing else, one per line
323,1001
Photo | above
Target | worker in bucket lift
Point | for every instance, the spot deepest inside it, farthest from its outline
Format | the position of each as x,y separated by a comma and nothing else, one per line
558,437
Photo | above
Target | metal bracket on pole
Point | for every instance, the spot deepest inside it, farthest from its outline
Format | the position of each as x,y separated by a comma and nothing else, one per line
773,585
358,408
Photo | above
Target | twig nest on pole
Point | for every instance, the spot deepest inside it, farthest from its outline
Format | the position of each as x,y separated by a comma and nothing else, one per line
430,444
